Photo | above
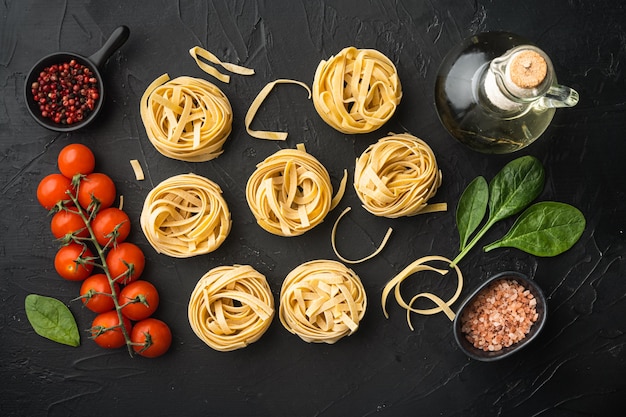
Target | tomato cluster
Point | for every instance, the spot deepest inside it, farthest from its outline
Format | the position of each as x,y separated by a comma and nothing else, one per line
93,236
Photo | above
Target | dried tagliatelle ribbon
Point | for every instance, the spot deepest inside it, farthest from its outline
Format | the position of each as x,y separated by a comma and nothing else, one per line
256,104
333,239
397,176
290,192
185,216
420,265
197,52
186,118
231,307
357,90
322,301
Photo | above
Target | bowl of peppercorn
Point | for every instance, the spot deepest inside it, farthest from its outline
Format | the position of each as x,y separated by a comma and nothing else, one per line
502,316
64,91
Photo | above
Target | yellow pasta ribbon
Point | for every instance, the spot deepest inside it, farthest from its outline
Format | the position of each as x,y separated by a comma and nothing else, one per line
322,301
231,307
397,176
357,90
197,52
185,216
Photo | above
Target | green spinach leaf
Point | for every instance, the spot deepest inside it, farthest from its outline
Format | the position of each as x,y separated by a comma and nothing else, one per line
515,187
52,319
544,229
510,191
471,209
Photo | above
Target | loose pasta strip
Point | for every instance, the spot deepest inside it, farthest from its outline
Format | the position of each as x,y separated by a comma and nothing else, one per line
333,239
357,90
290,192
197,52
185,216
186,118
322,301
397,176
420,265
256,104
231,307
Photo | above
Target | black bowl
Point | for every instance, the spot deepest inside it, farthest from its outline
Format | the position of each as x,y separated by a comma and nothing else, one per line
488,356
94,62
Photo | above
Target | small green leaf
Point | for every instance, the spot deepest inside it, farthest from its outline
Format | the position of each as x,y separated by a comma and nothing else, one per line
52,319
515,187
545,229
471,209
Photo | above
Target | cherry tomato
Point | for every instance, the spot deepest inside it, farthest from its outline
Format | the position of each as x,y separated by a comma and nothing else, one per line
76,159
106,330
99,186
108,220
126,262
66,222
151,338
94,291
52,189
66,265
143,298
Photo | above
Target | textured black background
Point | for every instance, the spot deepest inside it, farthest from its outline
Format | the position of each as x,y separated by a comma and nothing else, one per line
576,366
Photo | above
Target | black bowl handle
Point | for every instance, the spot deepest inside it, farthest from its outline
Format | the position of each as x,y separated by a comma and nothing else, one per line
115,41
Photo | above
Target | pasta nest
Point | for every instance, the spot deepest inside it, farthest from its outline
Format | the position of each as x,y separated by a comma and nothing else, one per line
231,307
322,301
397,176
290,192
357,90
186,118
185,215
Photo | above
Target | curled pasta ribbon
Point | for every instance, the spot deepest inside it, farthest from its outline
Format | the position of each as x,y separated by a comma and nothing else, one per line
290,192
322,301
256,104
333,238
419,266
186,118
185,216
197,52
357,90
231,307
397,176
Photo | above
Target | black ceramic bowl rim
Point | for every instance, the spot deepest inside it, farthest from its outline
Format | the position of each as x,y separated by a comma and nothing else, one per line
33,106
536,328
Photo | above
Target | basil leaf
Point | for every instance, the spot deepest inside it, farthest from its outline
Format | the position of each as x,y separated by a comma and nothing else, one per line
515,187
544,229
472,208
52,319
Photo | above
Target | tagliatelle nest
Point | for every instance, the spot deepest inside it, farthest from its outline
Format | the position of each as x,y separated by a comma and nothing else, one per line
397,176
185,216
290,192
322,301
357,90
186,118
231,307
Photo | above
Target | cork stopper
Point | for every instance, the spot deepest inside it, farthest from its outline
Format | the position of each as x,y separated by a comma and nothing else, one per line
528,69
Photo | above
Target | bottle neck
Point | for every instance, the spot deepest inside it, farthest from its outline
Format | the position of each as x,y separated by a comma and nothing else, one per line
516,80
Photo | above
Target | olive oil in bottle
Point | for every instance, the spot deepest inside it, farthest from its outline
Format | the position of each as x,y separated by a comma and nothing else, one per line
497,93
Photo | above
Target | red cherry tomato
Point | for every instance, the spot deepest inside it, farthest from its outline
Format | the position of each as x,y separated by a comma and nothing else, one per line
99,186
76,159
94,292
66,265
106,330
66,222
109,220
52,189
126,262
151,338
143,298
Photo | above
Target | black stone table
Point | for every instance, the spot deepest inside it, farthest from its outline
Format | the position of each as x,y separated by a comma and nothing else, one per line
576,367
